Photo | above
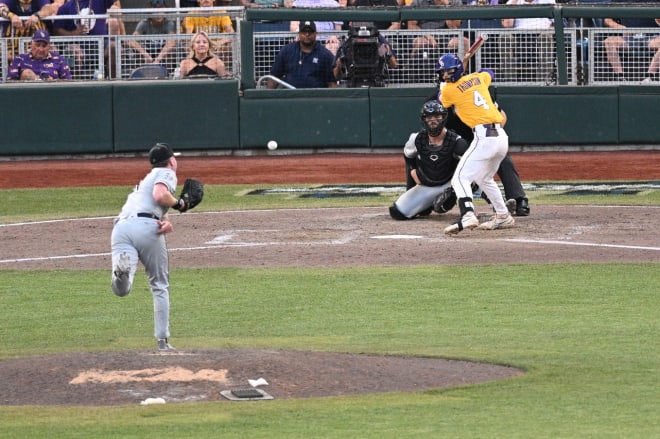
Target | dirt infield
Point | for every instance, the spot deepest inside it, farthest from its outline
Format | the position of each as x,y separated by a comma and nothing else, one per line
328,237
318,168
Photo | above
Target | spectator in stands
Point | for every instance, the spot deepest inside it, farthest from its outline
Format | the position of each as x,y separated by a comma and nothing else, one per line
489,54
269,26
202,60
85,26
428,41
304,63
426,48
483,23
40,63
14,11
88,26
154,50
614,44
529,54
213,24
380,25
653,73
321,26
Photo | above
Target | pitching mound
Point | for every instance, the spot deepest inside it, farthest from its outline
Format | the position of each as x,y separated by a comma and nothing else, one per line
114,378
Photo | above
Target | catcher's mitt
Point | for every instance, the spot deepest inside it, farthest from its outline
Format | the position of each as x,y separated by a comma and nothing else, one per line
192,194
445,201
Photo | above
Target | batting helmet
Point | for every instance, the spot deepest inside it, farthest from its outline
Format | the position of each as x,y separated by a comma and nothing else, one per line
449,61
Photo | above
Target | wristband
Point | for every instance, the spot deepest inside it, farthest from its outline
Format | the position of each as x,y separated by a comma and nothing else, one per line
178,205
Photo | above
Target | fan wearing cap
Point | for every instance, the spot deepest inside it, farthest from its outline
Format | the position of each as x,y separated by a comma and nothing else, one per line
304,63
139,232
40,63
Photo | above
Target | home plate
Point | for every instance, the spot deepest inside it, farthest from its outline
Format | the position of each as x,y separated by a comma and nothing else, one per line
397,237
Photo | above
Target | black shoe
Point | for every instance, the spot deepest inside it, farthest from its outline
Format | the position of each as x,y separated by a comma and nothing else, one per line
522,207
426,212
164,345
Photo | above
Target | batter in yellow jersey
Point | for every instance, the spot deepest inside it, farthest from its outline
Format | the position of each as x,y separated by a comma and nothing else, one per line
469,96
471,99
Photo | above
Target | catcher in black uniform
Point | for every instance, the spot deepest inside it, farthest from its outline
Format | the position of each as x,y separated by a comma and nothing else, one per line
431,157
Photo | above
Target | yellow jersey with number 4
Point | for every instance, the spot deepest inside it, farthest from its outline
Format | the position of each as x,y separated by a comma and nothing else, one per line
471,99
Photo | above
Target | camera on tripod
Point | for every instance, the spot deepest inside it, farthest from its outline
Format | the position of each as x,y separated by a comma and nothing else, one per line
363,66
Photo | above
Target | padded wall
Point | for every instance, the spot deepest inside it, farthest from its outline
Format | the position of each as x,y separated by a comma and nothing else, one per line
189,114
56,118
304,118
395,114
639,111
560,115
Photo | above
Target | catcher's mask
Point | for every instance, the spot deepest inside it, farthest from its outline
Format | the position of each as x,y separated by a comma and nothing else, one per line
433,109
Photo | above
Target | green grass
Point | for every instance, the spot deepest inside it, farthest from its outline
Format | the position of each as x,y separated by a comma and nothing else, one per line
40,204
587,335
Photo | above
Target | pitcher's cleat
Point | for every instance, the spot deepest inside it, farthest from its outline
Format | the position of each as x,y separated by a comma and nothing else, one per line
164,345
123,268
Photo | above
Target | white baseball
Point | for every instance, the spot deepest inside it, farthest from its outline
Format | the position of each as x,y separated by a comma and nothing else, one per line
272,145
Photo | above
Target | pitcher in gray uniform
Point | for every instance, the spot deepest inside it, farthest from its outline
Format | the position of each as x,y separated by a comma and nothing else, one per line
139,235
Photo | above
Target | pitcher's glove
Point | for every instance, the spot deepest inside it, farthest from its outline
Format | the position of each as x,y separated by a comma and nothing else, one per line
191,195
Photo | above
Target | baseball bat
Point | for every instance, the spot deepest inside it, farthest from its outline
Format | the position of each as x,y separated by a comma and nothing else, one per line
474,49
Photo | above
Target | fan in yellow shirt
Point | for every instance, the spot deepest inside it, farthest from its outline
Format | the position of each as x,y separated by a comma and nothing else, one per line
214,24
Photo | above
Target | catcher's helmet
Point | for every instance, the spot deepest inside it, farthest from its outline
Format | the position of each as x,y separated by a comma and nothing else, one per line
449,61
433,108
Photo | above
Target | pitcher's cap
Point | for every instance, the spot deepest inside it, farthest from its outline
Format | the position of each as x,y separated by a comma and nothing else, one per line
160,152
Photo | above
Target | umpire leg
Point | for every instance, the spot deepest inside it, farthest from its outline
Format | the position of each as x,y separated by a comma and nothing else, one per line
513,189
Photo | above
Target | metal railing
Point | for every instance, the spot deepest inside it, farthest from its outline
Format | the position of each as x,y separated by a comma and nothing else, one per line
518,57
94,57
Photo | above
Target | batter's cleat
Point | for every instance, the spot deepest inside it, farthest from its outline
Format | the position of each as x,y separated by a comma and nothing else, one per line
123,268
496,223
511,205
467,221
522,207
164,346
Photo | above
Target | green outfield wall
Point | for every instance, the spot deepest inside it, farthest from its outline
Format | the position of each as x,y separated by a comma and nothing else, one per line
212,115
204,114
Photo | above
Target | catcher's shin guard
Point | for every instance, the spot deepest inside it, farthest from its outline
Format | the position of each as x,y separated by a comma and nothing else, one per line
396,214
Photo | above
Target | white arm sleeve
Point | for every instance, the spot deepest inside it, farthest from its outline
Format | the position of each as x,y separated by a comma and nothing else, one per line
409,149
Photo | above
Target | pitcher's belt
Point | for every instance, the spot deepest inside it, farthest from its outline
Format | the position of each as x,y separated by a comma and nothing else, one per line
148,215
